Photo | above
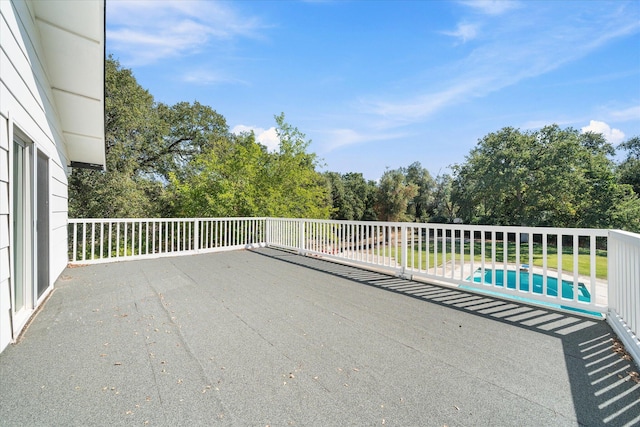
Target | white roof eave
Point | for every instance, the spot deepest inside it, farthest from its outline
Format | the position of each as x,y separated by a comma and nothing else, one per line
72,36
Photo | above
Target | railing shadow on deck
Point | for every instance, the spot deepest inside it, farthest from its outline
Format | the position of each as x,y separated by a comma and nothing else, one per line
604,378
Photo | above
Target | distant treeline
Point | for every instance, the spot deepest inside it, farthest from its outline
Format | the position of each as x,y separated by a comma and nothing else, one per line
182,161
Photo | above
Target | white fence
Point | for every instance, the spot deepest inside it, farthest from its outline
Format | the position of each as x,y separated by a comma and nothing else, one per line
590,270
513,261
624,289
107,240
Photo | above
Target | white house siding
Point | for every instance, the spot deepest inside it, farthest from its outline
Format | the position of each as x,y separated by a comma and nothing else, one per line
59,207
5,306
26,107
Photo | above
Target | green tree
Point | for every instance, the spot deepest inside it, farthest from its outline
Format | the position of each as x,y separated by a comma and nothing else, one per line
626,214
471,204
340,209
551,177
420,177
353,198
130,120
188,129
394,195
497,174
239,177
629,169
144,142
223,181
444,207
362,194
297,189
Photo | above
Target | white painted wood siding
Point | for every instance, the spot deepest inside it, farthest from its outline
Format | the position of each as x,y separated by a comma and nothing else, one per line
26,105
5,307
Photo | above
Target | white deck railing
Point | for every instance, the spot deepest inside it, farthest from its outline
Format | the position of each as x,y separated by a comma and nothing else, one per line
624,289
107,240
476,257
590,270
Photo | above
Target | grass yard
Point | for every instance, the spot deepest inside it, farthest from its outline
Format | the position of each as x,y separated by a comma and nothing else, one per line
584,265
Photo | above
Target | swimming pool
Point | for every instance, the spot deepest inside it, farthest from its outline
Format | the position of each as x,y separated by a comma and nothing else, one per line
538,280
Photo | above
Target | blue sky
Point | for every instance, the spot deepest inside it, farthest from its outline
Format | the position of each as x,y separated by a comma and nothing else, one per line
377,84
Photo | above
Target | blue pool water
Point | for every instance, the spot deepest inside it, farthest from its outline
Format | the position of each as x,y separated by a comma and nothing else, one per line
538,280
567,287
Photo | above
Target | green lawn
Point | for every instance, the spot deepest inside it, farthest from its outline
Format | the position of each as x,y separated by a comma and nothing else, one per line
584,267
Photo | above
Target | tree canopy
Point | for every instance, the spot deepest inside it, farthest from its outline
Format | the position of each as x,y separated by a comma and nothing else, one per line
352,197
551,177
394,195
241,178
629,169
182,160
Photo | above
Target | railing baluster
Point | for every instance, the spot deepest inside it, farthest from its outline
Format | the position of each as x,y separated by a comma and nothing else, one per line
75,242
559,284
518,239
84,241
93,240
483,242
173,235
435,250
576,252
153,237
462,254
530,239
110,238
505,255
494,244
545,242
126,227
592,267
101,240
453,253
164,227
442,252
118,239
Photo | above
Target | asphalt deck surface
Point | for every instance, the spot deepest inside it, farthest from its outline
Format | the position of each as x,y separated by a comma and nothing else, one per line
269,338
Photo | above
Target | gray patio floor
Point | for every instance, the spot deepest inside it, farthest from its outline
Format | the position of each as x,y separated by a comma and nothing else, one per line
266,337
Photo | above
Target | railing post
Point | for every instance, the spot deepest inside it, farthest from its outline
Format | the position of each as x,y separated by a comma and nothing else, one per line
196,235
267,231
404,245
84,240
75,241
624,289
301,245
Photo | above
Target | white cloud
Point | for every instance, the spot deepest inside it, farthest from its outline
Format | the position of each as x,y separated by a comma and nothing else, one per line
268,138
145,31
464,32
614,136
206,77
631,113
491,7
417,108
337,138
510,53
